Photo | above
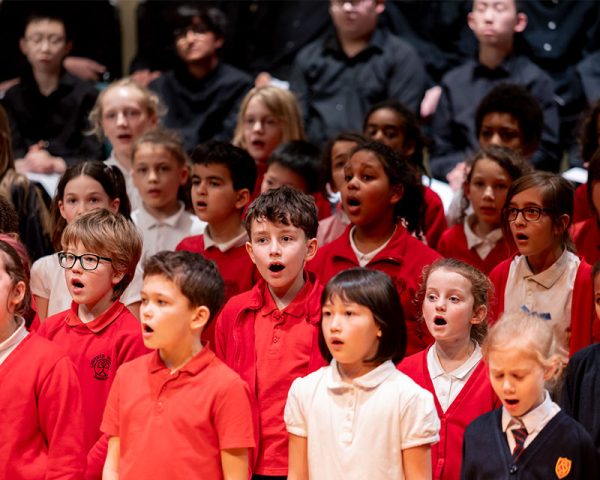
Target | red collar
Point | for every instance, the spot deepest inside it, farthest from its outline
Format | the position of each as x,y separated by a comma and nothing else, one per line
100,322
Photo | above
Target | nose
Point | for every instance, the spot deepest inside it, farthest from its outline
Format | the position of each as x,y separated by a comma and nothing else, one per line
334,323
507,386
488,192
121,119
275,248
440,304
377,135
152,175
257,126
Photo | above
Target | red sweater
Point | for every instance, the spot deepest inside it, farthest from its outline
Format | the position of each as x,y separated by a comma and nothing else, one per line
402,259
41,420
581,207
453,244
235,344
435,218
585,328
97,349
586,236
476,398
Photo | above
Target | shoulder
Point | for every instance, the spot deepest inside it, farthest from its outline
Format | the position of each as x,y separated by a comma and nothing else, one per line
484,424
413,363
194,243
45,264
500,271
304,386
233,74
45,355
249,300
458,75
52,324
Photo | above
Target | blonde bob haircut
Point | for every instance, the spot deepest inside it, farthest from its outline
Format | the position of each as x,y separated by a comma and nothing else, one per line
151,102
282,104
109,235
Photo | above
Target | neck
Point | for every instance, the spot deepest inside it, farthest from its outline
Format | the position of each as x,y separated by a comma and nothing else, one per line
124,159
87,313
453,354
369,238
165,211
9,326
284,298
176,358
350,371
481,229
202,68
492,56
353,46
226,230
543,261
47,82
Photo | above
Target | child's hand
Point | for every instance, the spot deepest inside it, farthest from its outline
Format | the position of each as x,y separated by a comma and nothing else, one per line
39,160
430,101
456,176
144,77
84,68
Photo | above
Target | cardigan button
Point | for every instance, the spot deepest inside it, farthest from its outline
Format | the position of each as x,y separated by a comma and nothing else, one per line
513,469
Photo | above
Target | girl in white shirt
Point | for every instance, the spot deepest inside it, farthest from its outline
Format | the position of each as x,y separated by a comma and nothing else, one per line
360,402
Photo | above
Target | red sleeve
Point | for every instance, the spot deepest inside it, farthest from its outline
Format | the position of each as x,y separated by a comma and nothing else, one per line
61,420
233,417
96,458
221,335
131,345
499,277
111,421
435,218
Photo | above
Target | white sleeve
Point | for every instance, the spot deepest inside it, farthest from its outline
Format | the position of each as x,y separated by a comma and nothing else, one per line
293,415
40,282
419,421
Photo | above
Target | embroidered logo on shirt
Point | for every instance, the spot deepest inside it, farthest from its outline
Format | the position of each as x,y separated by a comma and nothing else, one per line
563,467
101,365
542,315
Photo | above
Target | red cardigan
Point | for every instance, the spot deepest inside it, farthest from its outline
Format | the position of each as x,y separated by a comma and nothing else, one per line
402,259
585,328
435,218
476,398
453,244
581,207
586,236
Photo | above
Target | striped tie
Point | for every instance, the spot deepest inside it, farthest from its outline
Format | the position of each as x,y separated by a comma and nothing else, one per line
520,435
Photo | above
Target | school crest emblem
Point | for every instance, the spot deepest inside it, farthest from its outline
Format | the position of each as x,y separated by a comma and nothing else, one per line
563,467
101,366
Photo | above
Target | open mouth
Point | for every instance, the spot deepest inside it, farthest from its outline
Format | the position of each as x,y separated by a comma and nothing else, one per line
353,202
258,143
276,267
439,321
147,328
511,401
521,236
77,284
124,136
201,204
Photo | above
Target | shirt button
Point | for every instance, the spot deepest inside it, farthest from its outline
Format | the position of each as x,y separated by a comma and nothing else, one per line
275,339
547,47
551,25
339,107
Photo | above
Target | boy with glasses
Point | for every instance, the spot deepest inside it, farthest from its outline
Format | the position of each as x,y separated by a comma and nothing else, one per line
48,109
101,251
202,94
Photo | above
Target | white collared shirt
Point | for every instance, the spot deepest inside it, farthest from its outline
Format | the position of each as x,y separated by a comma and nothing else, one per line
132,192
235,242
12,342
533,421
447,385
548,294
483,246
365,258
166,233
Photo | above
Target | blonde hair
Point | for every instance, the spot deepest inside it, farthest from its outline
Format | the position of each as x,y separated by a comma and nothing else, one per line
109,235
151,101
170,140
282,104
528,334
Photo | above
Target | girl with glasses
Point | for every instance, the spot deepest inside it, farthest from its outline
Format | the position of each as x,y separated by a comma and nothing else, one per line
545,278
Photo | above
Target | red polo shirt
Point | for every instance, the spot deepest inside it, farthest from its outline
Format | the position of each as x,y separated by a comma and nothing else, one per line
586,237
175,425
97,348
435,218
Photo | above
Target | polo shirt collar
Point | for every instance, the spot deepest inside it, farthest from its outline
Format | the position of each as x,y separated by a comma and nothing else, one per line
474,240
146,221
368,381
295,309
436,370
238,241
99,323
17,336
197,363
551,275
391,252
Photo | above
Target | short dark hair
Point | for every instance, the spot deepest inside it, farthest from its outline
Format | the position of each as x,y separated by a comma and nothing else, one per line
326,156
187,14
411,207
302,158
198,278
557,197
238,161
50,13
411,129
376,291
285,205
518,102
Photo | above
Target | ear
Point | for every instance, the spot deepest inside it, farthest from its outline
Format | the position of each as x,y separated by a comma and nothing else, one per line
380,6
200,317
479,315
219,42
68,47
564,220
114,205
61,209
408,149
471,21
551,369
17,294
153,120
521,23
184,175
242,198
23,46
250,252
311,249
397,194
117,277
378,334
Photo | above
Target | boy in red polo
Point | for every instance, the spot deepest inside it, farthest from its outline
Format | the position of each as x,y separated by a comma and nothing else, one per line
101,251
223,177
269,335
178,412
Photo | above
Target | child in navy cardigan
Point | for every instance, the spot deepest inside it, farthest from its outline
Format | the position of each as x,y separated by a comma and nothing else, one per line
530,436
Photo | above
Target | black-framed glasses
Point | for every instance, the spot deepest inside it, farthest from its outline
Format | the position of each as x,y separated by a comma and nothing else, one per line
88,261
530,214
